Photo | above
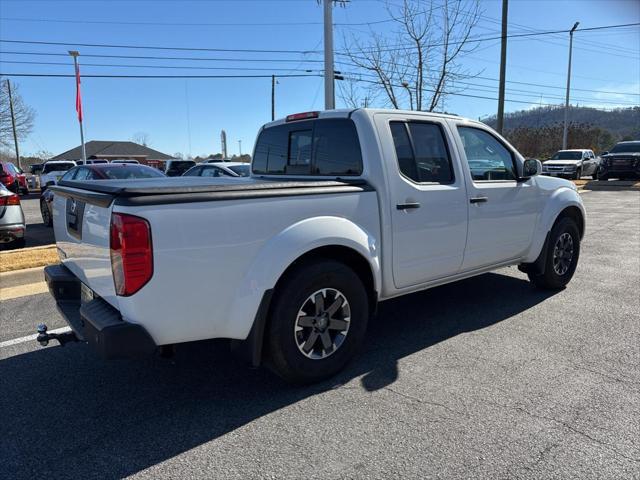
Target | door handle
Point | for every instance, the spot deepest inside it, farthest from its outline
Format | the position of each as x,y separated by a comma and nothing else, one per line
407,206
478,200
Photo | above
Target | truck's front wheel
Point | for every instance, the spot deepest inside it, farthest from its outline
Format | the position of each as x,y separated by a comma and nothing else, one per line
318,321
561,256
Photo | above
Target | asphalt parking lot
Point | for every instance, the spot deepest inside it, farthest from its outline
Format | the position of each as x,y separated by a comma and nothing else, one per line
485,378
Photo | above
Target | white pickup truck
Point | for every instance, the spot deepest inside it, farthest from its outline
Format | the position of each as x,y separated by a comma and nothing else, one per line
344,209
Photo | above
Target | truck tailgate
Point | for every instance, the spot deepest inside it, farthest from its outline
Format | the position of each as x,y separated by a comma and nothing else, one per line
81,223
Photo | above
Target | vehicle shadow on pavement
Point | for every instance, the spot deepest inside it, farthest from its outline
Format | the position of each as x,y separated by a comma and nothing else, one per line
66,413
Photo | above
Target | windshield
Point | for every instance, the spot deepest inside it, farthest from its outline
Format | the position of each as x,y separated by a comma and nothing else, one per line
631,147
567,156
57,167
242,170
130,171
177,168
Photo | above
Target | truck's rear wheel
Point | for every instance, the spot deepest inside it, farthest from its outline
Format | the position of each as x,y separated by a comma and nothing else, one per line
561,256
318,321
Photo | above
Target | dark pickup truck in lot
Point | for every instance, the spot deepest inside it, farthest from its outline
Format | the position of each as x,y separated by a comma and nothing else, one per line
623,161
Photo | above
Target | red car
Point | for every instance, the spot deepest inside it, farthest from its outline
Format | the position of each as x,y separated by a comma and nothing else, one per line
13,178
96,171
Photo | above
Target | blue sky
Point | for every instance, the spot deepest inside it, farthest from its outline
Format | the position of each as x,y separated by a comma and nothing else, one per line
186,115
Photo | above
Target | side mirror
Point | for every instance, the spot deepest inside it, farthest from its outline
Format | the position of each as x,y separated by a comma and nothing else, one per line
531,167
604,153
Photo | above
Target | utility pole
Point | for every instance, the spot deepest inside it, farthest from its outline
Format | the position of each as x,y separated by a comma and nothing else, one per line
565,131
75,55
329,95
13,124
273,97
503,66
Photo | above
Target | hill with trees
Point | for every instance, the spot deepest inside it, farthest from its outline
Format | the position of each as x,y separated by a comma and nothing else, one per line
538,132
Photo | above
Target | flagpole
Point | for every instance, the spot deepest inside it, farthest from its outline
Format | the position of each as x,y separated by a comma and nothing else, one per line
75,54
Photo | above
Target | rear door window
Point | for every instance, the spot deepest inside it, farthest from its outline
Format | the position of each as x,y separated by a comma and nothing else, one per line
328,147
422,152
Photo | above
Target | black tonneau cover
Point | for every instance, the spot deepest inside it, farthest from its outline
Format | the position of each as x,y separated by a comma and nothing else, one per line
157,191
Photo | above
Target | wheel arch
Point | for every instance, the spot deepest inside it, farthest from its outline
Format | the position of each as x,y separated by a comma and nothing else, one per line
311,239
346,255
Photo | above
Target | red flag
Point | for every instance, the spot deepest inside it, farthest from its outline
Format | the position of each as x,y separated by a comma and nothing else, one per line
78,97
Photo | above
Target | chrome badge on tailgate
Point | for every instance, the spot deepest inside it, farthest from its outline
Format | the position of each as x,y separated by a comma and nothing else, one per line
74,214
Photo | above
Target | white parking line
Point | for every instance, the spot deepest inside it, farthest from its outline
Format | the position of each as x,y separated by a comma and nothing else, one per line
29,338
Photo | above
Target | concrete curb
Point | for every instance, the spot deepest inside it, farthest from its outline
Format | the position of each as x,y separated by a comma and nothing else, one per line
27,258
21,277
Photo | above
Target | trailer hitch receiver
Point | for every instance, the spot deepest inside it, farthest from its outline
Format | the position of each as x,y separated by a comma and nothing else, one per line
44,337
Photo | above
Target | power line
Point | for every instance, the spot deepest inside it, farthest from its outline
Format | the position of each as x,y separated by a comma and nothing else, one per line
176,67
203,49
152,57
511,100
187,24
157,47
64,75
514,91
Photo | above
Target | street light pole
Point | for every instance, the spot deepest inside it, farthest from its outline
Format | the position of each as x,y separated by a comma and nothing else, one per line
75,55
565,132
240,147
329,95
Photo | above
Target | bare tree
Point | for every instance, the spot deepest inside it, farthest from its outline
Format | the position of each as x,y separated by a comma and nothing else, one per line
419,65
354,97
141,138
24,115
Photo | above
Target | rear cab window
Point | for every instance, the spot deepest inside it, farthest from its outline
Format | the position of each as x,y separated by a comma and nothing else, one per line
322,147
422,152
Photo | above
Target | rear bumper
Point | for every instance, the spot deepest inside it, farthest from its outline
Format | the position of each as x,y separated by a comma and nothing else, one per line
9,233
96,322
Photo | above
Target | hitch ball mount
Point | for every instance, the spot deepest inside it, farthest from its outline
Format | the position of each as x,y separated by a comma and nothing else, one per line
44,337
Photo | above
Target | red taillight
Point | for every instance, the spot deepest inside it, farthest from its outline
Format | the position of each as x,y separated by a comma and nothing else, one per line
302,116
131,253
10,200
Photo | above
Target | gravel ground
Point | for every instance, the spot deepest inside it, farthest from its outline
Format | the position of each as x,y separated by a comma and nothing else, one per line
485,378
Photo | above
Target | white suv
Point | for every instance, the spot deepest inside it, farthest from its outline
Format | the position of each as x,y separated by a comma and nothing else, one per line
572,164
53,170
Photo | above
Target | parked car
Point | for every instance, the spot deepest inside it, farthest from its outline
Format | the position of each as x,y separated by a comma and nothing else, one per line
219,169
96,171
13,178
175,168
36,168
93,161
125,160
53,170
572,164
623,161
12,224
344,209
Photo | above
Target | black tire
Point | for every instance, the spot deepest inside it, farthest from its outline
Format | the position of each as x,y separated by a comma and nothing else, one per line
285,344
603,177
19,243
46,215
594,175
577,175
554,276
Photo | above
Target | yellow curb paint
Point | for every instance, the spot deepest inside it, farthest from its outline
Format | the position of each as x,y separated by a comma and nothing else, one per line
22,291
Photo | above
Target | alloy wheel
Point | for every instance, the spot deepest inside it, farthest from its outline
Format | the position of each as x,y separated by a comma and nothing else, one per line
322,323
563,254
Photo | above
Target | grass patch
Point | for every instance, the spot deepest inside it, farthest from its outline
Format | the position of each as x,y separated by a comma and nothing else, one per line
28,258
